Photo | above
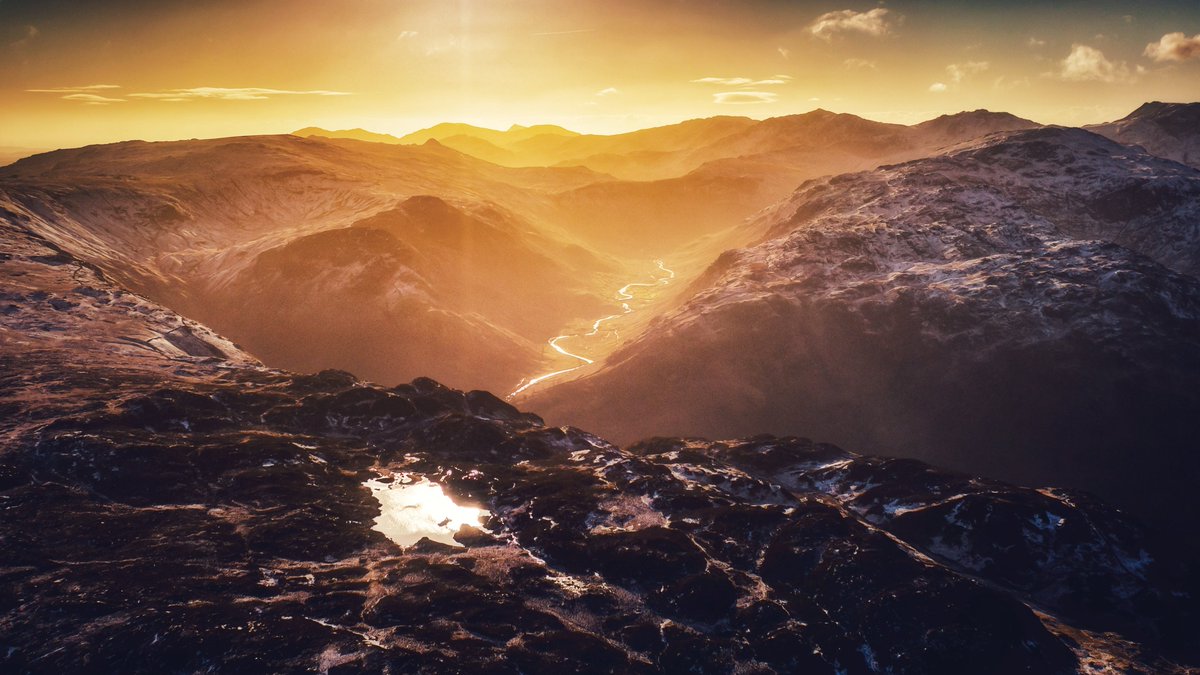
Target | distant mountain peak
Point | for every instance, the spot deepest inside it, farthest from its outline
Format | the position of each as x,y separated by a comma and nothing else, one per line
1158,108
357,134
1170,130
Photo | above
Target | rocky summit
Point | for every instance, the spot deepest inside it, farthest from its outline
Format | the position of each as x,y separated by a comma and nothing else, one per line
171,505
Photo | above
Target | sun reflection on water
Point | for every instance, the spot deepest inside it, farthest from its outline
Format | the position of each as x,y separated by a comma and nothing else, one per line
411,510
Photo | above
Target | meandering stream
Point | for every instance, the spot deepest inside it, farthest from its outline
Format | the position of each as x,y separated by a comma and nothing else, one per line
623,295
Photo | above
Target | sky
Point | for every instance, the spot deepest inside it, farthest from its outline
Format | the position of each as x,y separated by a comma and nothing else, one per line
76,72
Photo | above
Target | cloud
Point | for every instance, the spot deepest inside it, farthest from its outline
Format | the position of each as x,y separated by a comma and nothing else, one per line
29,33
744,97
1003,83
873,22
1174,47
608,91
1035,42
1086,63
744,81
938,87
731,81
92,99
72,90
784,52
407,35
230,94
961,71
85,94
858,64
564,32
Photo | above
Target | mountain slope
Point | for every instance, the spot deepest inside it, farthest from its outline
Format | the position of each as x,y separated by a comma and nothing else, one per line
352,134
513,135
181,511
1026,307
1170,130
732,177
250,235
806,143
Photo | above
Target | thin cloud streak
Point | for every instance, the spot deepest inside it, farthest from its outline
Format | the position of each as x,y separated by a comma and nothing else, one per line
86,94
564,32
230,94
92,99
71,90
744,97
743,81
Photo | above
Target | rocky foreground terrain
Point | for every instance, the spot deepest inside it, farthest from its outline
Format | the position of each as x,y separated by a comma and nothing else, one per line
171,505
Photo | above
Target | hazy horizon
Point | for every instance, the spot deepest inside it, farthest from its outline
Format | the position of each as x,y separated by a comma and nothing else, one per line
77,74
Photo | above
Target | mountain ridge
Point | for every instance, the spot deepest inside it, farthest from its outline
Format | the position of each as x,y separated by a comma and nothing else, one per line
871,296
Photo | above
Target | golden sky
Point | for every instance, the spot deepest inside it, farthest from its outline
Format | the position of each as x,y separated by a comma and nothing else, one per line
74,72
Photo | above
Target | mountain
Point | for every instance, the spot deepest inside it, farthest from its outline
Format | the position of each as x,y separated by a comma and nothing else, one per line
645,154
464,293
171,505
964,126
806,144
352,134
752,167
1165,129
319,252
285,243
1026,307
514,134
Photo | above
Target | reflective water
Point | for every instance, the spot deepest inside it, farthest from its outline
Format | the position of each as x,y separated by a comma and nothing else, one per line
414,509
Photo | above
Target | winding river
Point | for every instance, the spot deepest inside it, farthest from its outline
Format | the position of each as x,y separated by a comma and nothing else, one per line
624,296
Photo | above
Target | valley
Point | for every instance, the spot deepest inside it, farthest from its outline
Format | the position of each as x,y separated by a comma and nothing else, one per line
604,334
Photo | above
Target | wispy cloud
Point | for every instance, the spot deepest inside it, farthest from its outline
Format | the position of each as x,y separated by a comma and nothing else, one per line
745,97
92,99
962,71
608,91
1086,63
744,81
874,23
84,94
784,52
859,64
938,87
88,94
72,90
564,32
1174,47
230,94
28,34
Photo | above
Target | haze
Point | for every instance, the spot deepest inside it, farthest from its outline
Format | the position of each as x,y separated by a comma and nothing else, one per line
74,73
